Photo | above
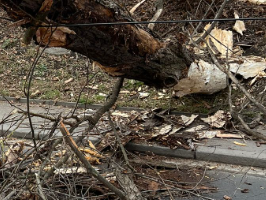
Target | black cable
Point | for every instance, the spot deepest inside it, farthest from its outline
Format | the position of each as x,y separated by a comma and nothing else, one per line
156,22
148,22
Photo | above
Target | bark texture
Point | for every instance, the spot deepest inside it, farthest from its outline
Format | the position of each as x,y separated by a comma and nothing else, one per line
127,51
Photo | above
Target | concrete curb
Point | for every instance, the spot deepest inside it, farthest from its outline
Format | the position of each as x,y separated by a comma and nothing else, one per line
215,150
160,150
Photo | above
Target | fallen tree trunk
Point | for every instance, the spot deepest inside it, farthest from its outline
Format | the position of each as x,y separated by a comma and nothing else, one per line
120,50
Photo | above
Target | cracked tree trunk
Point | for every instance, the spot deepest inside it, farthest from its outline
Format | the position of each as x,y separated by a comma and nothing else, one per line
127,51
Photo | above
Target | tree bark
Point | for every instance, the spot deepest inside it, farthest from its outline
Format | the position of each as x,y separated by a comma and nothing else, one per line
127,51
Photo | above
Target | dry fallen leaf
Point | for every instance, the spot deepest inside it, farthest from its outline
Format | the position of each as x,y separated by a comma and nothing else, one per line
227,197
212,167
259,2
228,135
55,79
251,67
218,120
188,120
220,41
143,95
164,130
208,134
12,155
153,186
120,114
245,191
53,37
239,25
69,80
36,93
239,144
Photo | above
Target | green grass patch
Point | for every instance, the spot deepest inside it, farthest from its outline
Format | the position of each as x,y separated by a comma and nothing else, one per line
51,94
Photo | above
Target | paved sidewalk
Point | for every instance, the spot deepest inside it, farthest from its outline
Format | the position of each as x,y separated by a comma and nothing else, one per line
229,179
18,125
218,150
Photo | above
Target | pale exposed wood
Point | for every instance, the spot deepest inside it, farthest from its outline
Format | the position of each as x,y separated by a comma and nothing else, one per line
159,6
132,10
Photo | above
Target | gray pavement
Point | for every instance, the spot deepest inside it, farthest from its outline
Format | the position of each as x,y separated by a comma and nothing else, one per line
214,150
18,126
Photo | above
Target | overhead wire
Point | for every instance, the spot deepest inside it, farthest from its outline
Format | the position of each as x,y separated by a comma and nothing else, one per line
148,22
156,22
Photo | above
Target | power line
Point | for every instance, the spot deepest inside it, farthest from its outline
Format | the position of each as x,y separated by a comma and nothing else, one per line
150,22
156,22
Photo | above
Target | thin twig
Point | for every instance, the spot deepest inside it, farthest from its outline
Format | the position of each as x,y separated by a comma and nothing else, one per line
218,14
51,118
40,186
169,192
204,16
87,165
250,131
29,80
81,91
119,141
10,195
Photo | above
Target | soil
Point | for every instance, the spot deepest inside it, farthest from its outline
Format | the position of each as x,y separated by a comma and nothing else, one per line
63,77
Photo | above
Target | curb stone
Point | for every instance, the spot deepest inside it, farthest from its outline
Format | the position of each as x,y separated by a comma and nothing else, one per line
160,150
215,150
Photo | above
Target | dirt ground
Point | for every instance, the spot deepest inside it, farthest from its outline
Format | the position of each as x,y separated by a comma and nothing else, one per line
62,77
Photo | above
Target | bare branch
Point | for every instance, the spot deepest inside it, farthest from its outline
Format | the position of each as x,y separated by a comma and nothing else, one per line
159,10
218,14
40,186
132,10
88,166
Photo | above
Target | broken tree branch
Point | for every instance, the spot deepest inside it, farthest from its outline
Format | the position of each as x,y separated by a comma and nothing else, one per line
128,51
40,186
87,165
128,186
132,10
92,122
159,10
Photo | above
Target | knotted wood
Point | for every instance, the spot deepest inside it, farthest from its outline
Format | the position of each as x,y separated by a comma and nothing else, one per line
128,51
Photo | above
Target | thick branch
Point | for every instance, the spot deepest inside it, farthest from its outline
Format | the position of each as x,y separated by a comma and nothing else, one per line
120,50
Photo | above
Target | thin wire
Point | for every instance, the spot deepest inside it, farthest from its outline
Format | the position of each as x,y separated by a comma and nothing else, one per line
156,22
148,22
